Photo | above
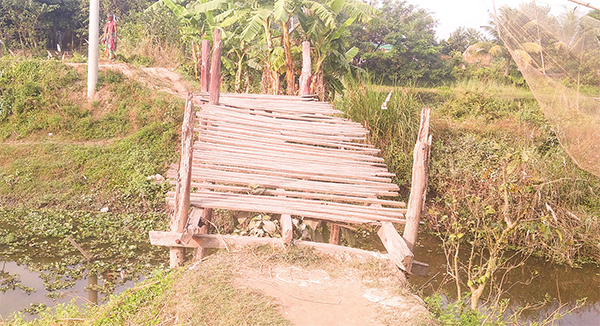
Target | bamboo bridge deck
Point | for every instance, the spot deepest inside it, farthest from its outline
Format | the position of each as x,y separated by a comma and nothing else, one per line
288,155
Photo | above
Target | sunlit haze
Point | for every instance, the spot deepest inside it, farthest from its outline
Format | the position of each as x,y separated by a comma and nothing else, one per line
475,13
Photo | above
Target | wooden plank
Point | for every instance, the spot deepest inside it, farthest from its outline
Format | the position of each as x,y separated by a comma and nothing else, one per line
319,118
284,152
291,129
284,122
298,169
203,198
396,246
269,136
237,178
305,195
282,147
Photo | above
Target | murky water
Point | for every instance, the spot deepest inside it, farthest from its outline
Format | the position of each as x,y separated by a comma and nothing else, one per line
18,299
532,283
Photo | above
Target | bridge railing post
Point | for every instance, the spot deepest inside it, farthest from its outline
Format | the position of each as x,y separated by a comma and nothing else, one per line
215,76
205,66
305,77
184,180
418,190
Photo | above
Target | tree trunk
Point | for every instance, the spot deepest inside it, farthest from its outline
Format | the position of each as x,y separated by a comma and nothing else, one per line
507,68
289,65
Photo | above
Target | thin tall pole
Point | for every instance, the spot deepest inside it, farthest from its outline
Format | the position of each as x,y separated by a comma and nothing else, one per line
215,66
205,67
93,47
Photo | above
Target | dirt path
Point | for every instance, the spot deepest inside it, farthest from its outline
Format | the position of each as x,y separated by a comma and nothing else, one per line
157,78
311,297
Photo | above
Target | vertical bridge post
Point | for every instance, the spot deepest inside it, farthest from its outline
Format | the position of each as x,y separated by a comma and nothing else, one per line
305,78
215,76
418,189
184,180
205,66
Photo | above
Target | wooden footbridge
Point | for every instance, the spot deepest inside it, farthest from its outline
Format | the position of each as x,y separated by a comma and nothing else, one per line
285,156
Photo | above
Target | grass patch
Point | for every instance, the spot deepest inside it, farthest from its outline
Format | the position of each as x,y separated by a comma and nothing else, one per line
60,151
478,127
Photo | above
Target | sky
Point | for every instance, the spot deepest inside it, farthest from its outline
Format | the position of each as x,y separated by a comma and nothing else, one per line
452,14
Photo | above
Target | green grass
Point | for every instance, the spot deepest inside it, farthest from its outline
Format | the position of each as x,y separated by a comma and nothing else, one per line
478,127
61,152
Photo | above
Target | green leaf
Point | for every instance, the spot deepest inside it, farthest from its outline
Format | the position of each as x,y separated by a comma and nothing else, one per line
254,27
350,54
280,12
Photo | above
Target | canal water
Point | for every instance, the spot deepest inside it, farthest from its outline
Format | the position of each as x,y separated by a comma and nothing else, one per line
537,281
534,282
22,297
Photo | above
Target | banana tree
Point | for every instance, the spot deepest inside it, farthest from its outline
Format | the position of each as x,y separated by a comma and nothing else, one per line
325,24
198,21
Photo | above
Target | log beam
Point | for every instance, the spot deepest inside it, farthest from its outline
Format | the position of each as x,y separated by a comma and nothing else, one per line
396,247
184,180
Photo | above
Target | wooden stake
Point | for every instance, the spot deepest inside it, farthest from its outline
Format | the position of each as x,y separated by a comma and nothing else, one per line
334,234
184,179
287,227
306,77
205,68
200,252
418,189
215,76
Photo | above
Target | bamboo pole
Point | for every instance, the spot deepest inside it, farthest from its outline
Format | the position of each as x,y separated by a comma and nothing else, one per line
205,68
305,78
184,179
418,190
215,76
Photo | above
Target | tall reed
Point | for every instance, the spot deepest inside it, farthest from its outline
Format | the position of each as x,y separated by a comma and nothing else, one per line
393,130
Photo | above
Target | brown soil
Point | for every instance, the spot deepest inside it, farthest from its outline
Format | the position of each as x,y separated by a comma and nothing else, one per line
311,297
157,78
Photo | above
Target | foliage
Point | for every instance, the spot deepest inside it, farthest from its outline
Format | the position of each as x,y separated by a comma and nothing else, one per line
415,55
393,130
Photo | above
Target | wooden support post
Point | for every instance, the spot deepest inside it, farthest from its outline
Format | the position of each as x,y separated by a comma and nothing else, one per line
418,190
305,78
215,76
205,67
287,227
184,179
200,252
396,247
334,234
